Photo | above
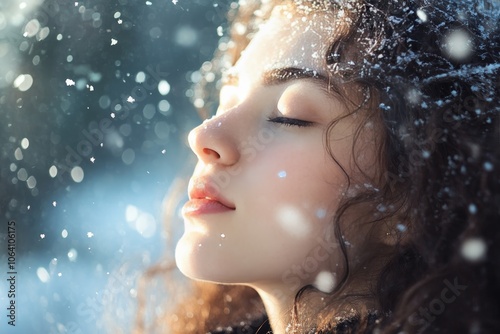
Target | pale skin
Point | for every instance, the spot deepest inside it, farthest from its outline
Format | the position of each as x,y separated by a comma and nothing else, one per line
264,151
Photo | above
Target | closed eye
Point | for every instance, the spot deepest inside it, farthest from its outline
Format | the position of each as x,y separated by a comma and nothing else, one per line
290,121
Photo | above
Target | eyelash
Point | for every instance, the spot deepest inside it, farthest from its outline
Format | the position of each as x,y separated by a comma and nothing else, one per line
289,121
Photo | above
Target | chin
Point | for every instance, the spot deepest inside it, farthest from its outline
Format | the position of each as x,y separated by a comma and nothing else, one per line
184,255
194,262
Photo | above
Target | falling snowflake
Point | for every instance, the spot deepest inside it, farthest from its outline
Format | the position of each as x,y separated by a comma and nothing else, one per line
325,282
474,249
422,15
458,45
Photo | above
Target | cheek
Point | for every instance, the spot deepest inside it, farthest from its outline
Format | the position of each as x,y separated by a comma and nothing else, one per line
291,195
297,175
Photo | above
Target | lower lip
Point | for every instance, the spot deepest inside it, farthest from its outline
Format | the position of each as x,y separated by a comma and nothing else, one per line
203,206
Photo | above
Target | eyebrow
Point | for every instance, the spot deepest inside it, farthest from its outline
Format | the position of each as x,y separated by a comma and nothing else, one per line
285,74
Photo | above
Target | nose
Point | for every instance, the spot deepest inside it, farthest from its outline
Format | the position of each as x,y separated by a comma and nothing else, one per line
214,142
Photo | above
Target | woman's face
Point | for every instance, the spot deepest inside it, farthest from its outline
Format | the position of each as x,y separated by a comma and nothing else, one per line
265,190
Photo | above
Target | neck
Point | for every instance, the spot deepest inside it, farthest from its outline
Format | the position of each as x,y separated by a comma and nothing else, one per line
278,306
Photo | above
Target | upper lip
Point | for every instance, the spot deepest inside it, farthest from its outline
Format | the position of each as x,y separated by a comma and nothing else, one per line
203,188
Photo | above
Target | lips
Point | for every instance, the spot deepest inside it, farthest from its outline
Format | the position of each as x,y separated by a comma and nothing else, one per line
204,198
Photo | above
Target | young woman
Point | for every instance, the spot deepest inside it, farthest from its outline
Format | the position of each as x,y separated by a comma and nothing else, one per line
349,181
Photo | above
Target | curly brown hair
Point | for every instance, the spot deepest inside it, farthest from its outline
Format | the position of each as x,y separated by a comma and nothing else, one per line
429,72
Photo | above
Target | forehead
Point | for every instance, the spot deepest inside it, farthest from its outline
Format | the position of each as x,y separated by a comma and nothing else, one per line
287,39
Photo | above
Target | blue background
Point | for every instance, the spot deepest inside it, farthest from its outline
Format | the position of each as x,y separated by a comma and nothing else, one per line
82,244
